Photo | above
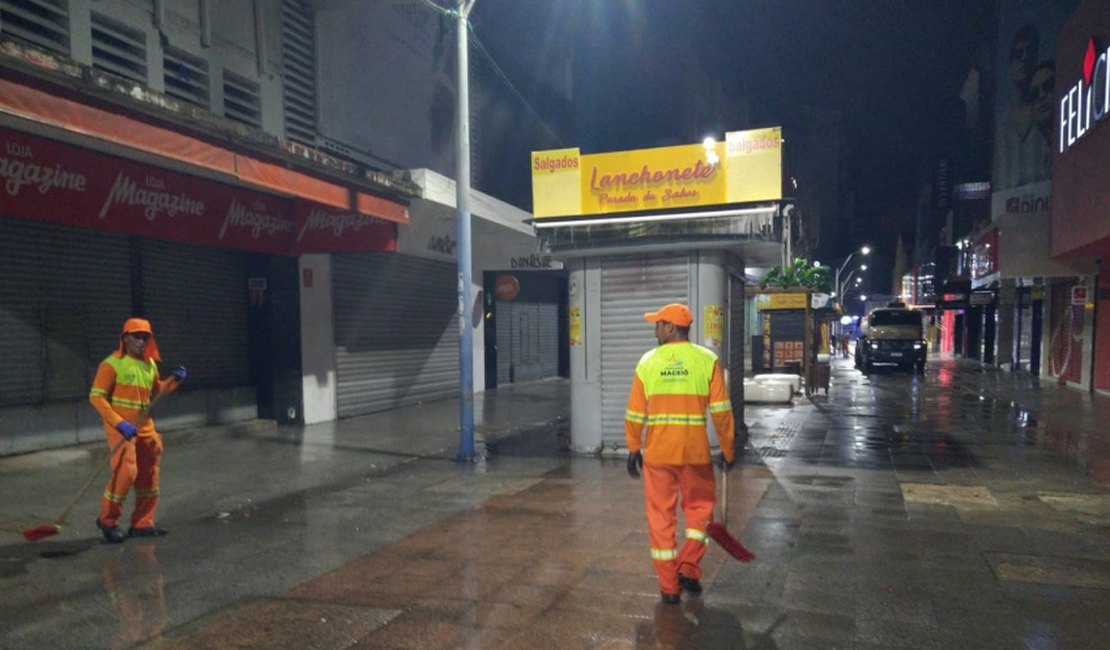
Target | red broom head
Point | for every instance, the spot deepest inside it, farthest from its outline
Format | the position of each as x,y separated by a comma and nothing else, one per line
731,545
38,532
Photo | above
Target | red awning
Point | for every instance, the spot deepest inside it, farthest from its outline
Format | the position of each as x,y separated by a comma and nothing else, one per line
40,106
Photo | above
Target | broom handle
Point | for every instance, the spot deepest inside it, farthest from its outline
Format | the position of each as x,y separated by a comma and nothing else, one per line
85,488
143,419
724,497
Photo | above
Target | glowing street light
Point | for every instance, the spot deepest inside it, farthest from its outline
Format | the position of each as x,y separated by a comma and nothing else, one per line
866,250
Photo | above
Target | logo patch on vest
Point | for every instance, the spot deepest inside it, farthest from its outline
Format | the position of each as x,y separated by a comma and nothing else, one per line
674,368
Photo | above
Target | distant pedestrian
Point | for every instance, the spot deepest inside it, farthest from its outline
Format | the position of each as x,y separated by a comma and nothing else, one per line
126,382
673,387
845,339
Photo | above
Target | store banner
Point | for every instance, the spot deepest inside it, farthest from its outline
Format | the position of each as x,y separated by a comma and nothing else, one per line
652,179
774,301
747,167
323,229
754,165
555,182
50,181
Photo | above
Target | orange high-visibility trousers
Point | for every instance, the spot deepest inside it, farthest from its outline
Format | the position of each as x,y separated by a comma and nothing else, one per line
662,486
136,463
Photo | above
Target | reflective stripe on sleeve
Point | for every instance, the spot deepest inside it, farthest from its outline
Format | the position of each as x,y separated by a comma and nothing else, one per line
634,416
720,407
98,392
149,492
664,554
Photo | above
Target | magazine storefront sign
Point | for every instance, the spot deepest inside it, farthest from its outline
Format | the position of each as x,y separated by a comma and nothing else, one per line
44,180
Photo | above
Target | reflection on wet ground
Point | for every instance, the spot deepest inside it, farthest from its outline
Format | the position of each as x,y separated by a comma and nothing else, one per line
953,509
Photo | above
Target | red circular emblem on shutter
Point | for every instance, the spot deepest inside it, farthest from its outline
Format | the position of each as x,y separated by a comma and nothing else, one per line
506,288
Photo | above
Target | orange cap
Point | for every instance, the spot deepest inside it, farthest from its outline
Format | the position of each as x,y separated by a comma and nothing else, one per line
139,325
673,313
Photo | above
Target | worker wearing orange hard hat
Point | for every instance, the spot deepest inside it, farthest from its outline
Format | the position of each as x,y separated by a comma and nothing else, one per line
673,387
126,382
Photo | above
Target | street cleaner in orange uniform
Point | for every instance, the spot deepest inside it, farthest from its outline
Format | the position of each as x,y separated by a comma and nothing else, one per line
673,387
126,381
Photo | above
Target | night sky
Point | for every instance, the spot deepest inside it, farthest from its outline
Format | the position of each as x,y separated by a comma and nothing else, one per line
895,68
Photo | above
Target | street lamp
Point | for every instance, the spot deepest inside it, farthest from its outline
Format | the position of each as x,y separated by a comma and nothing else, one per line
866,250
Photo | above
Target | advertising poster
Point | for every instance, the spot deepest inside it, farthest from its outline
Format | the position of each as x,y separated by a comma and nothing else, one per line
1025,100
713,325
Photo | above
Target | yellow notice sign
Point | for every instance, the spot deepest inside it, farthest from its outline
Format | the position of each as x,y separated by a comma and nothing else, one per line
575,326
713,325
767,301
650,179
555,183
754,163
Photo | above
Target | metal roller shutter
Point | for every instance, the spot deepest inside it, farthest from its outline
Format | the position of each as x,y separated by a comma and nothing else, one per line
736,344
527,341
548,339
65,292
629,288
528,331
396,331
507,355
196,300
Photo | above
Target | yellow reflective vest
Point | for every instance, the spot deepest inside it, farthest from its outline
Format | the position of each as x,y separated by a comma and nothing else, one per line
673,387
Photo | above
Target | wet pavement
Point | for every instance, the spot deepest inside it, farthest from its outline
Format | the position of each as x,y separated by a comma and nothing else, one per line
959,509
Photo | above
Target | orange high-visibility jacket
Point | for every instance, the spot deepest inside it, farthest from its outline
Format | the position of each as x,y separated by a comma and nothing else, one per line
123,389
673,387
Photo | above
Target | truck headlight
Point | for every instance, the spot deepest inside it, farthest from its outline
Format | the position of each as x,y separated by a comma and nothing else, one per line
874,345
917,346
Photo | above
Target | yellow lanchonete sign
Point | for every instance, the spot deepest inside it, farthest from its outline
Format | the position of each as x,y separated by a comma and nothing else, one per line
747,166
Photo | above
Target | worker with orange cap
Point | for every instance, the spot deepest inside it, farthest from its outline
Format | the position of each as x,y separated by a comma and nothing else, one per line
126,382
673,387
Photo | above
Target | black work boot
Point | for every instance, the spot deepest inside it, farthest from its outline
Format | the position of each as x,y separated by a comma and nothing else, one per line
112,534
692,585
153,531
670,599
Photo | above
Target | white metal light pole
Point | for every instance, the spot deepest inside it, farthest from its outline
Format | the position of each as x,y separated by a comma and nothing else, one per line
462,200
866,250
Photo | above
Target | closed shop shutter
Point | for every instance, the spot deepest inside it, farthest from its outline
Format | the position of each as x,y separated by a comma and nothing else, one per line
528,331
736,346
396,331
64,294
630,287
196,300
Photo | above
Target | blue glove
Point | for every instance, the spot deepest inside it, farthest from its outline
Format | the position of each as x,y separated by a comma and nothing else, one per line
179,372
127,429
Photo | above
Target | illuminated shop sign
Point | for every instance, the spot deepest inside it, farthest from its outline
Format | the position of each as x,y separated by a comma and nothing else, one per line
746,167
1088,101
